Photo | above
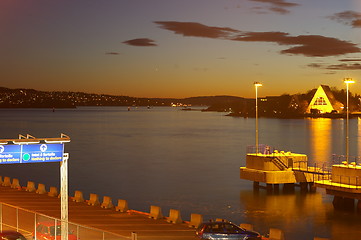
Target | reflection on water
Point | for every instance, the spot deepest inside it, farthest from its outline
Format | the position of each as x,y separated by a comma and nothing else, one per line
320,140
294,213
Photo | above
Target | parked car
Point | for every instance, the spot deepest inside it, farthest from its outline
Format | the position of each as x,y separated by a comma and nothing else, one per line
11,235
47,231
225,231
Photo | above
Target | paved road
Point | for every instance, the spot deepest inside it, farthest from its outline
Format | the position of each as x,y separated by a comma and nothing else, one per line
108,220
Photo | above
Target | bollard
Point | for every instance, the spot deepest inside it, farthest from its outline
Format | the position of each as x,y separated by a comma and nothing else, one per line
196,220
134,236
122,205
155,212
93,200
6,182
107,202
174,216
41,189
78,196
15,183
53,192
30,187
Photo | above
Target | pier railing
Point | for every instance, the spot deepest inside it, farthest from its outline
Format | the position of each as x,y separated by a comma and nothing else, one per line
26,221
262,148
348,182
339,159
319,171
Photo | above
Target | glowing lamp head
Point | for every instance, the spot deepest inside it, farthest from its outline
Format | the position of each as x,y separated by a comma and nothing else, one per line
348,80
257,84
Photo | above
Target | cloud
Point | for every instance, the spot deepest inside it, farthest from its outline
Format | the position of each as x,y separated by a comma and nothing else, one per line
307,45
193,29
141,42
351,18
277,6
112,53
350,60
342,66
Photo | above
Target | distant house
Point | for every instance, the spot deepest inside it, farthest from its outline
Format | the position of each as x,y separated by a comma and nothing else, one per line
324,101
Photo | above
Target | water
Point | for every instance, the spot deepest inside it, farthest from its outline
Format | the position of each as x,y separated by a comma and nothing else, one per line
188,160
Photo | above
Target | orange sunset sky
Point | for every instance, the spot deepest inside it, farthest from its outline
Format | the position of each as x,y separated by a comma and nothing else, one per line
168,48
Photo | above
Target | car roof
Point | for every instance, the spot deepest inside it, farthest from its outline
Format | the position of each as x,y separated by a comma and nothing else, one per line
10,232
216,222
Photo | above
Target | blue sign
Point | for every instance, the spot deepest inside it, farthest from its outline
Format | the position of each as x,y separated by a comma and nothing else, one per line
31,153
10,154
42,153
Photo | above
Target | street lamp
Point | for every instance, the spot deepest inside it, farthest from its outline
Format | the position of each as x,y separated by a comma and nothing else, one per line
347,81
256,85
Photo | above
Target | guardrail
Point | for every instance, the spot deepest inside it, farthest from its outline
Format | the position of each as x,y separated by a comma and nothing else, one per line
348,182
33,224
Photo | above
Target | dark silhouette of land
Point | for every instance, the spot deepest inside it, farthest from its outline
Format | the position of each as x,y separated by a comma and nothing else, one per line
284,106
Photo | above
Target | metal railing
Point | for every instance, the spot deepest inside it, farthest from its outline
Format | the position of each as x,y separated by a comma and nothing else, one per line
262,148
348,182
319,171
339,159
27,222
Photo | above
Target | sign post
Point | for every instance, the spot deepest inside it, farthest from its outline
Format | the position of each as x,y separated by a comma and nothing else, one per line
38,150
64,196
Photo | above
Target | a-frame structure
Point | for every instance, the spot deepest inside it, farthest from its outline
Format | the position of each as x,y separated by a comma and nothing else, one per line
324,101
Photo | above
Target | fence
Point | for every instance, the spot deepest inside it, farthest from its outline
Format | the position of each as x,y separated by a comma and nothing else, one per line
262,148
33,224
339,159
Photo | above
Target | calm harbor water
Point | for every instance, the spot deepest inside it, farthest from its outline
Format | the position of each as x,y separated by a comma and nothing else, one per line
188,160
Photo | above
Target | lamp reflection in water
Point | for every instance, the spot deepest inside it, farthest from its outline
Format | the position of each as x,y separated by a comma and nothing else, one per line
320,139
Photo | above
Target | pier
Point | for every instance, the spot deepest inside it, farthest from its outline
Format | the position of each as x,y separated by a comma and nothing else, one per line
22,207
281,167
344,185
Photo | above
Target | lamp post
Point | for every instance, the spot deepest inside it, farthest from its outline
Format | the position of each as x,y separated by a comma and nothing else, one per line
347,81
256,85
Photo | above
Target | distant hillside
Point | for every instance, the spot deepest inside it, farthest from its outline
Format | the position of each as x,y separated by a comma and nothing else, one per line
30,98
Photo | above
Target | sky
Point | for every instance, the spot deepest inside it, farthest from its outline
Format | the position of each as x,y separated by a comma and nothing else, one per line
178,49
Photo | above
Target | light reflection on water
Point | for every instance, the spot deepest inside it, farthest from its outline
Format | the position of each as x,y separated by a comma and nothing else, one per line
187,160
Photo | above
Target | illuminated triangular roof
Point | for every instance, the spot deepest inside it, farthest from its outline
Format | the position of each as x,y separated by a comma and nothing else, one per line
324,101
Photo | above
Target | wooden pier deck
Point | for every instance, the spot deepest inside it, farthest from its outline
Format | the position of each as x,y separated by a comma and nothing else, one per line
108,220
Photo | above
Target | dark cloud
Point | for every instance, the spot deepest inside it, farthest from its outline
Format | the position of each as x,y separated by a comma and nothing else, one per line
278,6
278,3
342,66
141,42
350,60
307,45
193,29
351,18
112,53
279,10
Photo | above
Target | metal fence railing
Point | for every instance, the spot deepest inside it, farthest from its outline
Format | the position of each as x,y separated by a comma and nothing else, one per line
339,159
262,148
34,225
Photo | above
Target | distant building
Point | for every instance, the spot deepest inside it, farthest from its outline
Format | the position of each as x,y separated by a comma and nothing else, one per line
324,101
